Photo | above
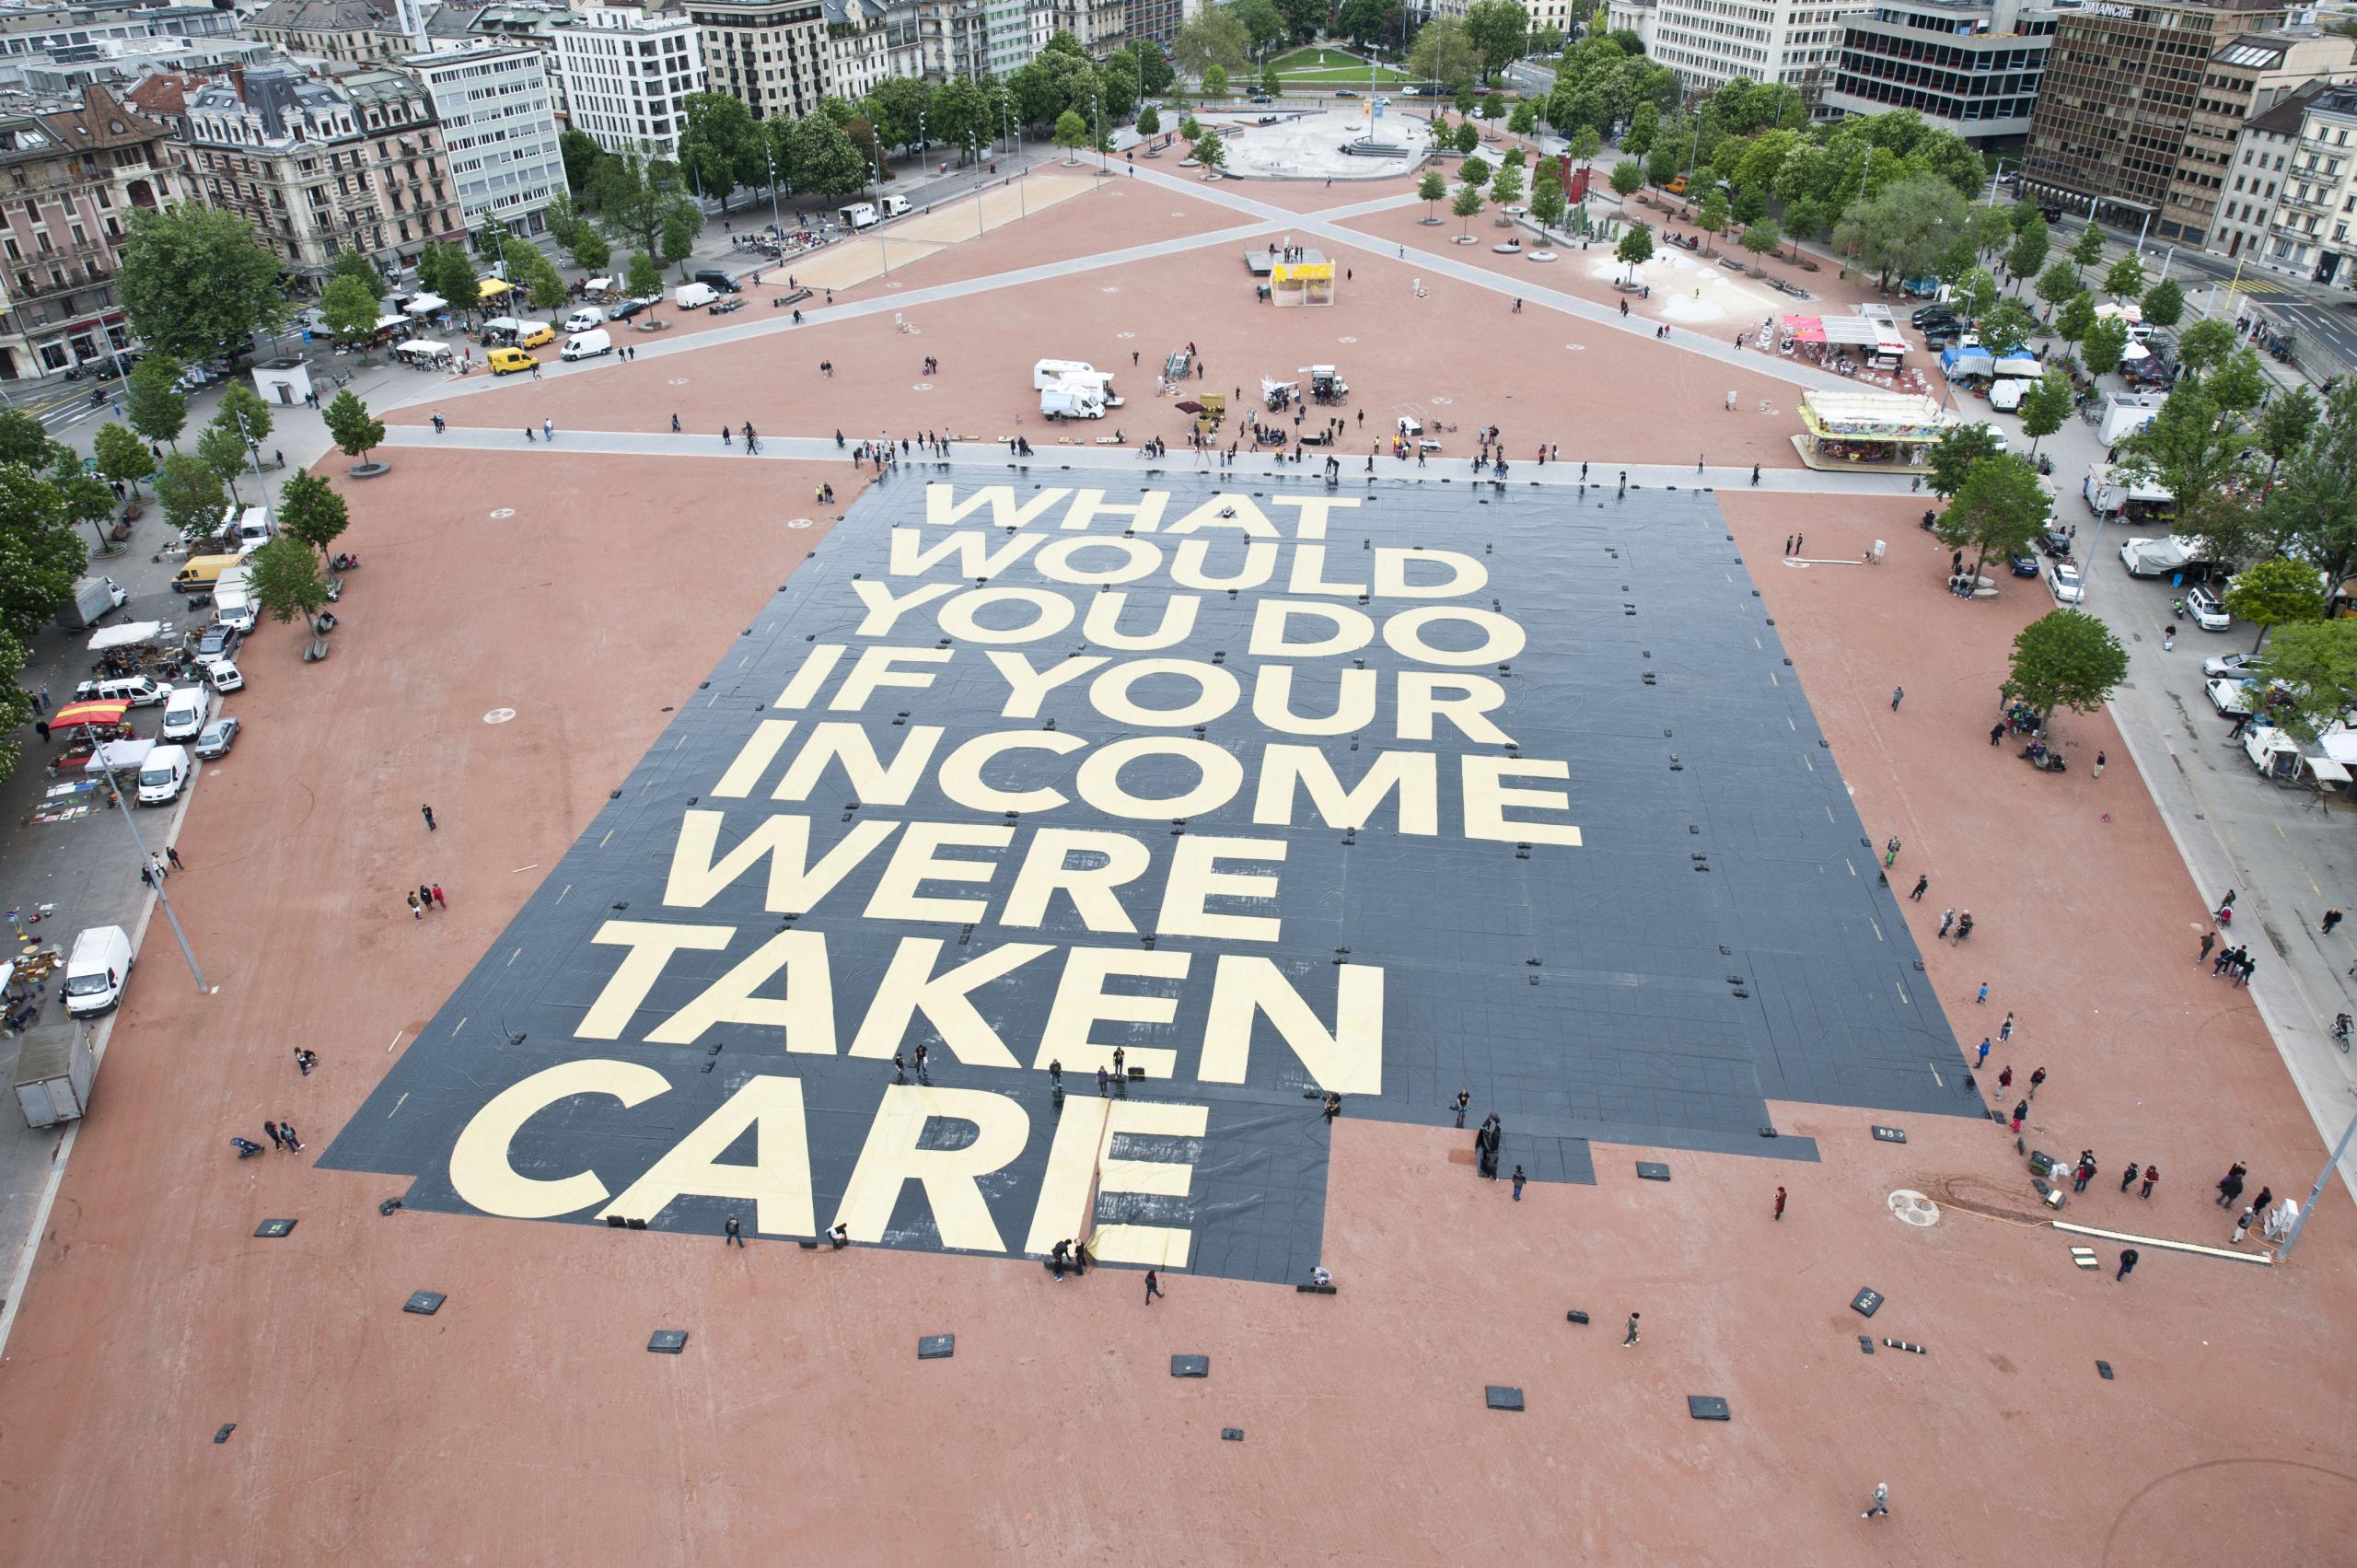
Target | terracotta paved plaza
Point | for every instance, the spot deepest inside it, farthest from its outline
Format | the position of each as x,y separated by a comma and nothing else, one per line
527,1424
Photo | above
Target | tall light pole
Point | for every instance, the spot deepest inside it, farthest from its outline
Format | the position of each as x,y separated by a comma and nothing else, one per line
269,511
768,158
123,805
2317,1192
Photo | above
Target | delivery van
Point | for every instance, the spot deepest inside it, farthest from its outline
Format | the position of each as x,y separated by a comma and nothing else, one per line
532,334
584,320
201,572
893,206
96,970
190,710
695,295
858,215
139,690
507,361
587,345
164,775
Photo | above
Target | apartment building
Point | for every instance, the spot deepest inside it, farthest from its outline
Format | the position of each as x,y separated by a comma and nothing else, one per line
2293,195
1969,66
624,73
2247,75
2121,84
357,33
952,39
772,54
499,126
1158,21
1709,42
318,166
69,180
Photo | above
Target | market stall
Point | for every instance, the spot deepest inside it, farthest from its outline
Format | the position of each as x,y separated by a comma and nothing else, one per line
1884,432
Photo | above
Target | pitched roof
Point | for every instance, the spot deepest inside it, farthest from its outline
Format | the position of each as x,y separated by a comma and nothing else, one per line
101,120
164,93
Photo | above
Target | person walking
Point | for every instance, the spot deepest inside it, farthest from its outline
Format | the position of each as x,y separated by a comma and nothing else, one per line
2085,1171
439,901
2099,764
1755,475
1464,1098
1982,998
306,1060
1881,1508
1788,545
286,1130
2249,1218
1922,883
2005,1078
1055,1073
548,429
731,1234
2127,1264
425,895
277,1139
2332,917
2037,1076
1780,1204
2127,1177
1982,1059
174,856
1897,695
2264,1201
2152,1175
2021,1114
1632,1332
1947,919
1963,925
2005,1029
899,1068
414,911
1997,732
2230,1186
429,816
1103,1078
1153,1286
1518,1179
2246,968
2208,940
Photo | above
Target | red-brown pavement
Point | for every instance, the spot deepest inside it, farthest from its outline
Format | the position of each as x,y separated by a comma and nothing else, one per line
527,1424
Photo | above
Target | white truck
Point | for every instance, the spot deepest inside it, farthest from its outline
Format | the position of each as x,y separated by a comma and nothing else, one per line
93,597
233,600
1072,400
2124,414
2110,494
856,216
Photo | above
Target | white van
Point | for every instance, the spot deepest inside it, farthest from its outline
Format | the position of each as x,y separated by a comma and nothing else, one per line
895,205
584,320
695,295
95,971
223,676
587,345
163,776
859,214
190,710
139,690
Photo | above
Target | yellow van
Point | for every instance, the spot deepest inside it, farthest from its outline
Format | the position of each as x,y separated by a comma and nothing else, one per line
202,572
534,334
505,360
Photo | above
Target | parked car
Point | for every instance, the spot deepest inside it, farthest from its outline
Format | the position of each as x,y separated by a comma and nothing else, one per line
1262,98
2024,564
1932,313
2064,582
217,737
2207,613
2230,666
218,641
2231,698
626,309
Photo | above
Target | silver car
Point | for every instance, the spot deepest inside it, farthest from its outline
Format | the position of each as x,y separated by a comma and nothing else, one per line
216,738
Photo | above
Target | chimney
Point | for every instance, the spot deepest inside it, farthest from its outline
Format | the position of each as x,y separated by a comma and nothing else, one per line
237,80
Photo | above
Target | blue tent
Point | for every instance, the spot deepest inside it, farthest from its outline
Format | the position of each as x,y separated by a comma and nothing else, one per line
1960,362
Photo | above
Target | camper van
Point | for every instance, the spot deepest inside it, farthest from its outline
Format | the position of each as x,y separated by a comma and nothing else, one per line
858,215
1075,374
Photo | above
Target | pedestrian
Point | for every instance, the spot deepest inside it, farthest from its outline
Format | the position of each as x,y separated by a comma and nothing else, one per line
2230,1186
2005,1029
2244,971
2264,1201
2331,919
2098,764
1518,1179
1632,1332
1800,542
2086,1171
1921,883
1982,1059
1890,850
1897,694
2021,1114
1947,919
439,901
1881,1508
2152,1175
306,1060
2005,1078
1055,1073
1102,1079
2037,1076
731,1234
528,436
1788,544
1464,1098
924,1074
1963,925
1698,465
286,1130
174,856
1983,996
439,425
429,816
1780,1204
2247,1218
2127,1262
1152,1287
1996,732
1755,474
277,1139
415,913
425,896
2208,940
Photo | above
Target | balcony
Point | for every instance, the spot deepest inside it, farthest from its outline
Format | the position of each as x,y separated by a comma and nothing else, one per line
2317,205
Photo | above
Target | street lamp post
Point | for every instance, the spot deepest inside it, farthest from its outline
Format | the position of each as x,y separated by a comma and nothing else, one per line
2316,1192
768,158
123,805
269,511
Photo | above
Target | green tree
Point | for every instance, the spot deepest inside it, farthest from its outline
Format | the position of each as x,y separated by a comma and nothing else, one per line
1304,17
1584,143
82,496
1214,80
351,426
1953,456
285,579
1904,227
2088,249
155,407
350,309
1431,189
1445,53
1712,219
1762,239
2027,254
448,271
310,510
220,449
1214,36
23,439
2163,304
2046,406
2105,342
2315,664
1626,178
2126,279
1072,133
190,491
1263,24
2007,327
1149,123
1468,204
1270,83
1469,136
2065,659
360,269
1499,31
1524,122
1474,170
1210,150
1505,186
41,555
588,248
2057,283
818,155
583,157
1155,74
241,402
1998,510
2193,450
1636,248
681,225
195,281
1975,293
636,195
2238,384
1546,202
2287,423
644,278
2204,345
720,145
2077,317
122,456
2274,593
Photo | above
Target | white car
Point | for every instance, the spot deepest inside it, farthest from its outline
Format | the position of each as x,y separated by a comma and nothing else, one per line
2230,666
1996,436
2232,698
2062,579
2207,613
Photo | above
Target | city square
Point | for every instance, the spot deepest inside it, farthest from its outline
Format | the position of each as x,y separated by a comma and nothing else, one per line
1593,784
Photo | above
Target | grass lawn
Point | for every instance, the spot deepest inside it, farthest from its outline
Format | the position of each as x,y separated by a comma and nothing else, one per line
1315,59
1350,76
